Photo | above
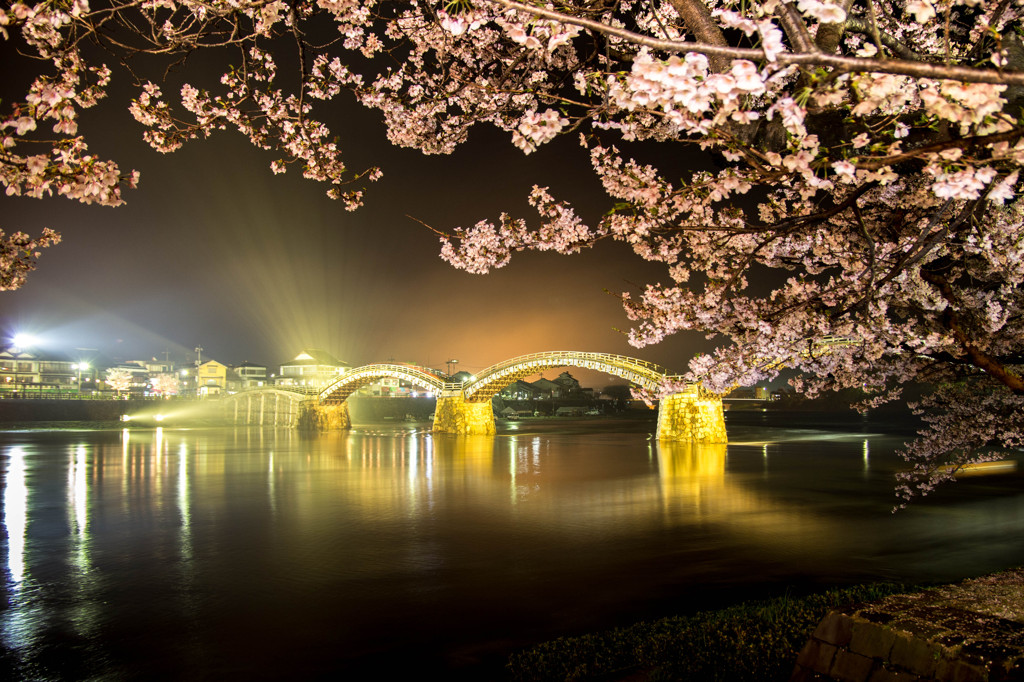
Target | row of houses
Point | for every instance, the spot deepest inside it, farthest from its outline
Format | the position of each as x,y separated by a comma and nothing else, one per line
31,372
28,371
564,386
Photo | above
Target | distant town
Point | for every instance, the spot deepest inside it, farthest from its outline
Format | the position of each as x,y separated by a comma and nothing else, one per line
28,372
85,373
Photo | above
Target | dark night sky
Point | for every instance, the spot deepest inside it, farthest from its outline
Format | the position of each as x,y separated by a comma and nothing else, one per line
213,249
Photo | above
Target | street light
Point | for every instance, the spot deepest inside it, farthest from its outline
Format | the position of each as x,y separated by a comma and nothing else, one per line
23,341
80,366
19,343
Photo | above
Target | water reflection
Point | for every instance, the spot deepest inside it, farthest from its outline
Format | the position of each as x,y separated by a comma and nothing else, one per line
15,514
263,540
16,620
695,486
184,505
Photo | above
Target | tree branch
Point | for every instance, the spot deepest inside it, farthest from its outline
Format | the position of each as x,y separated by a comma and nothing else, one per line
963,143
858,25
796,30
979,358
902,67
697,19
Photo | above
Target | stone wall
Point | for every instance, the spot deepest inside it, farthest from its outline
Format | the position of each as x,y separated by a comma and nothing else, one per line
971,632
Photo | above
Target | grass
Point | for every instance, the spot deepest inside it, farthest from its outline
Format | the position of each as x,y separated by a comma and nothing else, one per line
756,640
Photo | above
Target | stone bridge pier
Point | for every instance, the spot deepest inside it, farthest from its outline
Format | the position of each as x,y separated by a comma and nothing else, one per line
694,415
454,414
314,416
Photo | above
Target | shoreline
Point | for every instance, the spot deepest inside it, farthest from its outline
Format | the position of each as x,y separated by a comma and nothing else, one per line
970,629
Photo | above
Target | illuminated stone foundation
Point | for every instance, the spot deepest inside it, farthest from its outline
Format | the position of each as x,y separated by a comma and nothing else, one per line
692,417
454,415
316,417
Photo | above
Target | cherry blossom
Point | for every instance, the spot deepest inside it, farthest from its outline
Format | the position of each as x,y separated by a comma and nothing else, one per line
18,255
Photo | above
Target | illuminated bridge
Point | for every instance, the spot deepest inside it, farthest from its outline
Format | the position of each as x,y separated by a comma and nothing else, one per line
691,414
465,407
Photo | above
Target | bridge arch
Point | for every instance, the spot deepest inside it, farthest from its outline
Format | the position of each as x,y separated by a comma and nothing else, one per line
492,380
264,406
339,390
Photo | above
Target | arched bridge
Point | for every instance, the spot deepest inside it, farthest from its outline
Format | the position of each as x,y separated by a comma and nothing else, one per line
270,406
493,380
352,380
465,407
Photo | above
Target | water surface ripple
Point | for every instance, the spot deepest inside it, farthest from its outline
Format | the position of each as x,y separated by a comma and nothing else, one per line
263,554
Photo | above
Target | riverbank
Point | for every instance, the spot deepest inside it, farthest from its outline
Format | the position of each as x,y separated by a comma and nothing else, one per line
755,641
46,412
972,630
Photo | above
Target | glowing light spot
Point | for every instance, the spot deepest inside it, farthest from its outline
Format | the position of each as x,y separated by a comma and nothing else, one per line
16,514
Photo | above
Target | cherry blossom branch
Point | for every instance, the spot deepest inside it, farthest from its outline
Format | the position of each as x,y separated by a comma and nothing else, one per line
858,25
979,358
1012,135
697,19
18,254
848,64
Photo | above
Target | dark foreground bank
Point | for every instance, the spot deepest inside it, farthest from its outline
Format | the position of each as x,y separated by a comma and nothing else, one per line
971,630
757,641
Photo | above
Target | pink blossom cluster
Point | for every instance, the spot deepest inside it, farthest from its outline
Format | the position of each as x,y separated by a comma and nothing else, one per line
32,162
268,117
18,254
537,128
969,423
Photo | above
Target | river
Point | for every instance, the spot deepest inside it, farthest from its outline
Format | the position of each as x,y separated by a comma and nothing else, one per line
247,553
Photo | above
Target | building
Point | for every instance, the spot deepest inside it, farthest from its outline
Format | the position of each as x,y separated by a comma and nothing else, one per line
311,367
523,390
17,367
568,384
23,370
549,387
250,375
211,378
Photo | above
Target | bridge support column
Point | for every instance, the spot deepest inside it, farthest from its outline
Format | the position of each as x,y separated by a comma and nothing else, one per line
454,415
693,416
316,417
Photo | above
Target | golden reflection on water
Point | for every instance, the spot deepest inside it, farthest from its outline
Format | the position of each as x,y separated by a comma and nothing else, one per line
85,612
695,486
685,481
187,529
15,514
78,510
309,482
16,622
184,501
